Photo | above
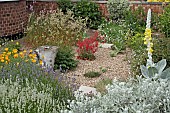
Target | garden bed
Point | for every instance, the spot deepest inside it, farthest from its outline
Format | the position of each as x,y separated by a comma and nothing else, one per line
109,67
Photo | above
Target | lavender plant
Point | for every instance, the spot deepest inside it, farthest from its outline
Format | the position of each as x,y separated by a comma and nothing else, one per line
27,88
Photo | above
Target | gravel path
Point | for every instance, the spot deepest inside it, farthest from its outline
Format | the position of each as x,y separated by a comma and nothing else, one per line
116,67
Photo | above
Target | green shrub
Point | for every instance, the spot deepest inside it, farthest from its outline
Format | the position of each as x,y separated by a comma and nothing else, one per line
115,34
133,96
135,20
28,88
164,21
90,10
111,31
65,5
54,28
116,9
161,50
65,59
92,74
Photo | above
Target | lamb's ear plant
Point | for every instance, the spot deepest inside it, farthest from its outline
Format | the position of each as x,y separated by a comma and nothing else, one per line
156,71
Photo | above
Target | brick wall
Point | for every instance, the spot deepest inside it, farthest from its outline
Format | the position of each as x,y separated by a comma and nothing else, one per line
13,17
41,5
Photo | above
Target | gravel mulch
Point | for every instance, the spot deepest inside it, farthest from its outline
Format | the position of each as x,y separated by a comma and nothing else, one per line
116,67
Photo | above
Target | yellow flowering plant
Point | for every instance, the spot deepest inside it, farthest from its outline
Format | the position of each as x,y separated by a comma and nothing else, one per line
153,70
15,56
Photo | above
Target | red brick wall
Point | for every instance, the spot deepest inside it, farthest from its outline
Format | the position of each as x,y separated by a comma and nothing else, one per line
13,17
42,5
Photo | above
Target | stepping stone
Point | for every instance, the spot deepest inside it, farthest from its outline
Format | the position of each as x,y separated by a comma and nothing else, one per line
105,45
87,90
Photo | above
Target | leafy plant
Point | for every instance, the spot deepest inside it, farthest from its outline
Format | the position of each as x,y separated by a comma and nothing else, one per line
101,85
88,47
92,74
65,5
116,9
65,59
161,50
54,28
111,32
164,21
90,10
139,95
135,20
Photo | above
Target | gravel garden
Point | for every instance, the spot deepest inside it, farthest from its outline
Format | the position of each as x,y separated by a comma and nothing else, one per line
123,60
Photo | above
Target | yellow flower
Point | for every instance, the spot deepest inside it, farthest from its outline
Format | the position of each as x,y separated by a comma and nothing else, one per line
4,53
12,40
24,51
34,56
6,49
30,50
9,53
150,50
41,62
17,43
14,51
15,55
21,54
17,63
2,60
33,60
6,62
30,55
6,57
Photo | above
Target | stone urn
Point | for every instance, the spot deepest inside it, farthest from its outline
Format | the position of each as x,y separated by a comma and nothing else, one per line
47,54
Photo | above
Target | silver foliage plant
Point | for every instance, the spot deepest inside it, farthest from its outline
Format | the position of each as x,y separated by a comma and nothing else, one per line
139,95
117,8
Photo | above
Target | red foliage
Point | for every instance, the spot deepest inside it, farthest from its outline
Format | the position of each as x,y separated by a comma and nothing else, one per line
87,47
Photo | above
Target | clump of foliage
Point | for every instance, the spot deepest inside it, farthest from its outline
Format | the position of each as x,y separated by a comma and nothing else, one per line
90,10
161,49
138,55
29,88
101,85
135,20
54,28
65,59
164,21
87,47
65,5
117,9
115,34
92,74
135,95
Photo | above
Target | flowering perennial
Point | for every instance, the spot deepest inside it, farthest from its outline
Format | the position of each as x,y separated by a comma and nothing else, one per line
88,47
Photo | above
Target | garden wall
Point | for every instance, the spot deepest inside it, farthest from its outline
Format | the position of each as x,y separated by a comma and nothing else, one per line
13,17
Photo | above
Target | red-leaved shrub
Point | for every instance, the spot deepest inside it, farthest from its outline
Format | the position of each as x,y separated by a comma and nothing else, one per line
88,47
